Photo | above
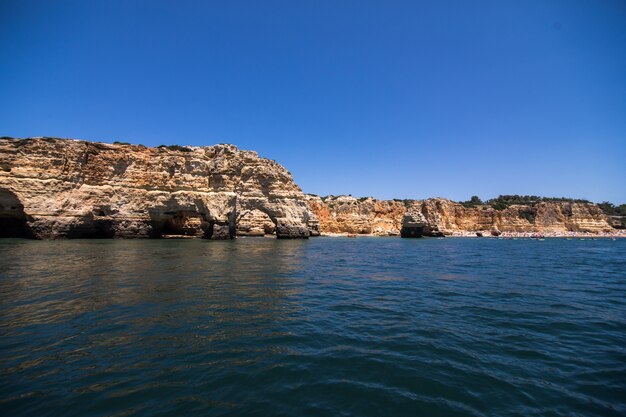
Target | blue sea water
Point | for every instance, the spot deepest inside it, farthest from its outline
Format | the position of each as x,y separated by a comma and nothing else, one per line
324,327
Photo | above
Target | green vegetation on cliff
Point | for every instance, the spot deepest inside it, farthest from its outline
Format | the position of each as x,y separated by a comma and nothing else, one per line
504,201
618,213
611,209
472,202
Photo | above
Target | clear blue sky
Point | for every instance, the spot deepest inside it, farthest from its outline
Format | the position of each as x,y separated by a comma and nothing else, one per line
387,98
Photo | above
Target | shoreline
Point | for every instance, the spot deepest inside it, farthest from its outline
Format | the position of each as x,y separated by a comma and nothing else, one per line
504,235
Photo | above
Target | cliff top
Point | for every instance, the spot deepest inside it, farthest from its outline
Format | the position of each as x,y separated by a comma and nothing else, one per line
119,144
499,203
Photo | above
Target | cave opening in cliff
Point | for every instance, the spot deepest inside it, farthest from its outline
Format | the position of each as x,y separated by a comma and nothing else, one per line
183,223
13,220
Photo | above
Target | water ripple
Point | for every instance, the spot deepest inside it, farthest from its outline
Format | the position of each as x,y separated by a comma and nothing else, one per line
347,327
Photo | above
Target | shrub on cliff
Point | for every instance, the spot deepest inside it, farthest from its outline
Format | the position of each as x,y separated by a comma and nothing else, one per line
611,209
407,201
472,202
528,216
503,201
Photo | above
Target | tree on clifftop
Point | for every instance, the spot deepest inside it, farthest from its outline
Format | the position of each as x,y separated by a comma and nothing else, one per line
472,202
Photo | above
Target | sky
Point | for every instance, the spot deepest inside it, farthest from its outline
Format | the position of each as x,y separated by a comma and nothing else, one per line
391,99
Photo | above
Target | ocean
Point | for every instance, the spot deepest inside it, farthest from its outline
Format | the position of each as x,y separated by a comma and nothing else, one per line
319,327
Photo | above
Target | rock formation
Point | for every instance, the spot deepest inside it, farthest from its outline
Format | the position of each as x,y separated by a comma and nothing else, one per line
384,217
543,217
55,188
413,224
346,214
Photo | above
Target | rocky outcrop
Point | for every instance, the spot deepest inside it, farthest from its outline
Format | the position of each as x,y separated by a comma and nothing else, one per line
346,214
58,188
543,217
349,215
413,224
291,231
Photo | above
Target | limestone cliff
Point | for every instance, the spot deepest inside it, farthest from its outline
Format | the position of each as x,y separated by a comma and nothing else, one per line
543,217
52,188
346,214
384,217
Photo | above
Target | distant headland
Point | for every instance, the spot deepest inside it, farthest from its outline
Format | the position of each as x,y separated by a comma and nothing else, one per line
54,188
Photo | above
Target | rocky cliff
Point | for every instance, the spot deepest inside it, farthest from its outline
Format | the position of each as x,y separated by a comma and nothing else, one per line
543,217
53,188
346,214
384,217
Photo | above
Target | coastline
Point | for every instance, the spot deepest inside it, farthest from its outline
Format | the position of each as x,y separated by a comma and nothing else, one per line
54,188
504,235
515,235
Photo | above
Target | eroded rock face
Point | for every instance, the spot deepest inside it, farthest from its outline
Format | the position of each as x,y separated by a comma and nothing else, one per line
413,224
288,230
346,214
55,188
443,217
544,217
254,223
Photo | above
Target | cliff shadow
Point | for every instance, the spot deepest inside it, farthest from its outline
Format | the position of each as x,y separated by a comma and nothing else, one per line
180,223
91,228
13,220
